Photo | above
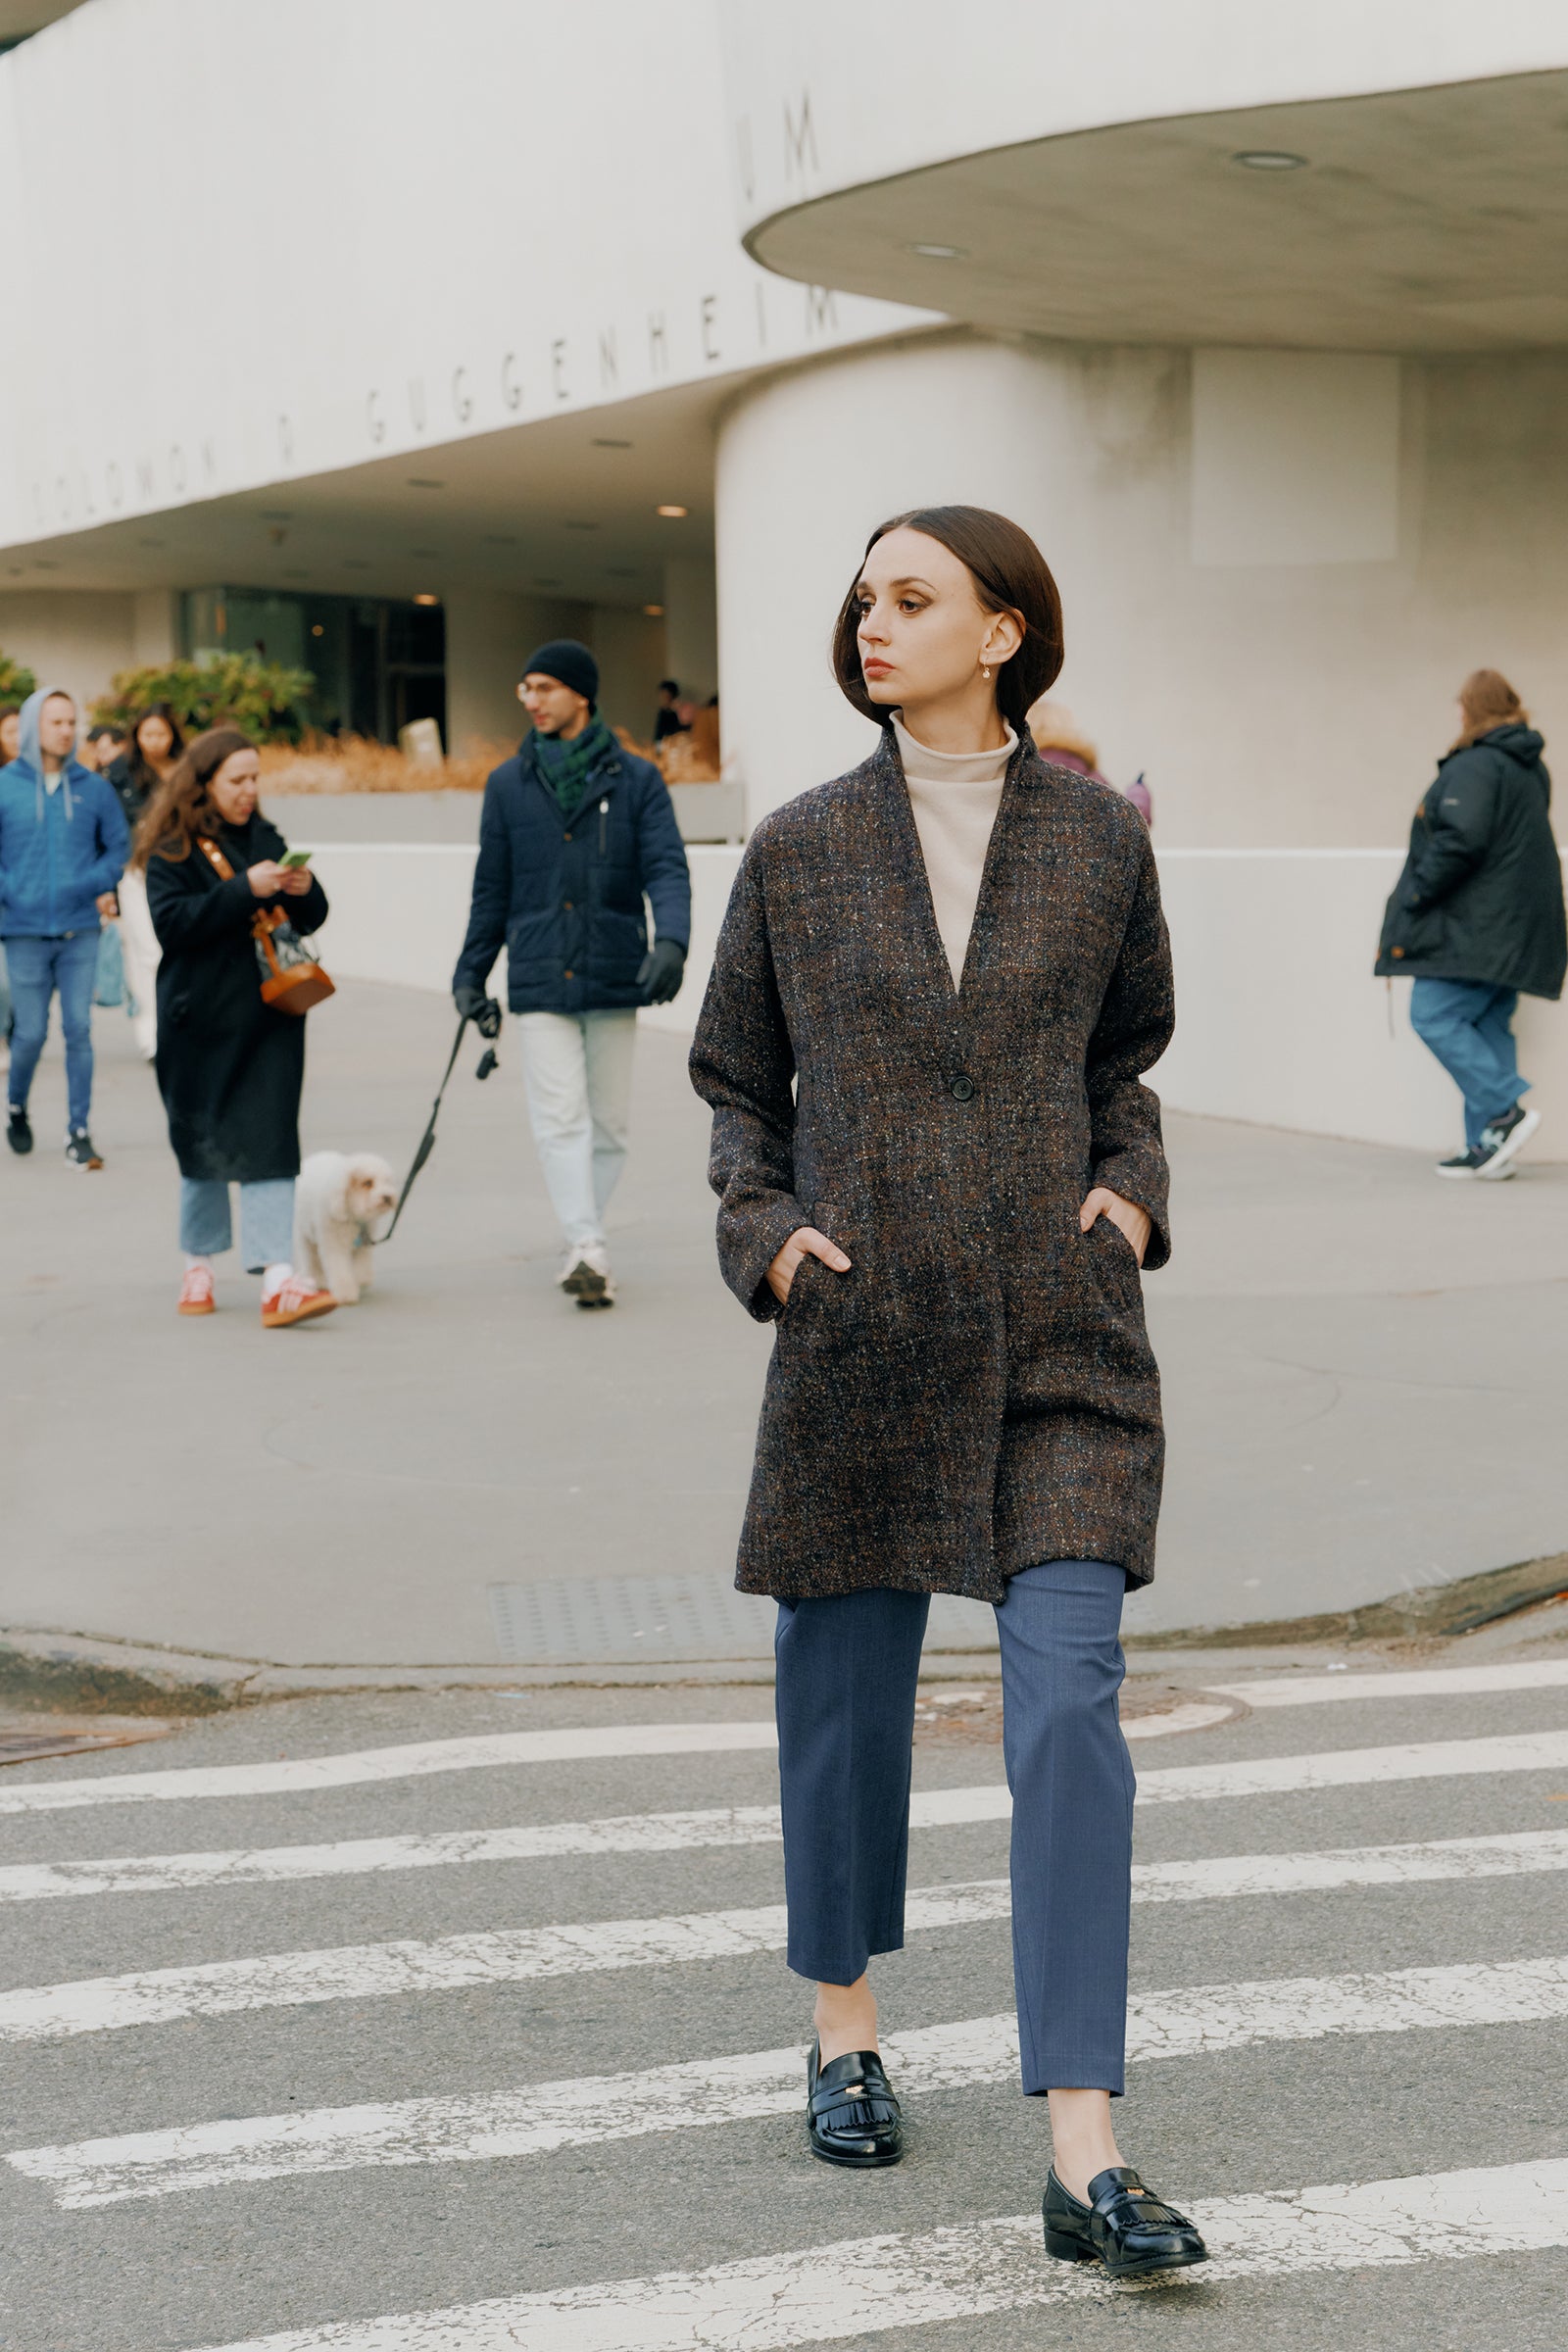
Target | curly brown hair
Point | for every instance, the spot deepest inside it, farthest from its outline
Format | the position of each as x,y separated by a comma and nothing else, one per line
181,812
1488,701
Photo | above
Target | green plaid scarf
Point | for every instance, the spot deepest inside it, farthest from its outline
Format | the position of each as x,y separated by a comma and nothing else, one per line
567,766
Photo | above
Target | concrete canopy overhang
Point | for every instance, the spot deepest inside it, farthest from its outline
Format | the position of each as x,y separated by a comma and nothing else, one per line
566,506
1420,219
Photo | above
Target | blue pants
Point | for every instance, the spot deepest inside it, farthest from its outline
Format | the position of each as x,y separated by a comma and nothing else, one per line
1465,1023
37,967
265,1220
846,1690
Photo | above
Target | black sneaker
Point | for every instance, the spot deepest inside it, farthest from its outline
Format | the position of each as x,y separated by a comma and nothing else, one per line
1463,1163
19,1133
78,1149
1501,1138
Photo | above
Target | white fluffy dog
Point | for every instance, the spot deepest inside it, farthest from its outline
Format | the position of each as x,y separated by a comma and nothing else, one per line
339,1199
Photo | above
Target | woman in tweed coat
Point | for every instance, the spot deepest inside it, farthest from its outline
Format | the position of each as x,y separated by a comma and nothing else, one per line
939,982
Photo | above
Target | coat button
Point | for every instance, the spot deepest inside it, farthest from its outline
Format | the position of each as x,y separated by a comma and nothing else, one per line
569,975
961,1088
566,906
1397,951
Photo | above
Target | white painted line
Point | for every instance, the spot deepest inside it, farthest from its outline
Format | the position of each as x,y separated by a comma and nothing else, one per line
366,1970
747,1825
864,2286
386,1764
514,1955
1436,1682
1354,1767
535,2118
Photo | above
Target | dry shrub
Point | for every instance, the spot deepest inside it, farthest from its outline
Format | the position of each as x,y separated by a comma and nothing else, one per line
689,759
357,763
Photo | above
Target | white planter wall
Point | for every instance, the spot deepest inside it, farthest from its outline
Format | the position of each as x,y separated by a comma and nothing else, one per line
1280,1022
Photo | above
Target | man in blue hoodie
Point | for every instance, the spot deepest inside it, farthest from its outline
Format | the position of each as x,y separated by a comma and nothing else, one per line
64,842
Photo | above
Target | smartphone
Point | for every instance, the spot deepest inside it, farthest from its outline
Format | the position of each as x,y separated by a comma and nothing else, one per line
296,859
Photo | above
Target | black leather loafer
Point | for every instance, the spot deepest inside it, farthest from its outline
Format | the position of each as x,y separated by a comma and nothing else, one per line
852,2115
1123,2226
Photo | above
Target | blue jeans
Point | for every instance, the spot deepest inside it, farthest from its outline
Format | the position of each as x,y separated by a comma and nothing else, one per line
847,1669
1465,1023
265,1220
38,968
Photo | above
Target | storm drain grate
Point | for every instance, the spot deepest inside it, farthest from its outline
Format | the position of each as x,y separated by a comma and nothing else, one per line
591,1620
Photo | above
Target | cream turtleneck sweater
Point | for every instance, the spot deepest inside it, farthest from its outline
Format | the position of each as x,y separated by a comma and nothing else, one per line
954,796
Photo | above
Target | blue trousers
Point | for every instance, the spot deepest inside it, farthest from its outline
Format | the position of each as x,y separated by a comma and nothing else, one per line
37,967
847,1670
265,1220
1466,1024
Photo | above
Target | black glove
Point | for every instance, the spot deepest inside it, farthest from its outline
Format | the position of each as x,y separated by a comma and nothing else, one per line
482,1010
661,972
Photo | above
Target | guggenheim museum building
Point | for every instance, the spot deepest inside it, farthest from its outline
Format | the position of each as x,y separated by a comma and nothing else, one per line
392,340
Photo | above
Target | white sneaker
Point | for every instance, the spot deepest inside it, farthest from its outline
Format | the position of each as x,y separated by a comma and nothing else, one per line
586,1277
1503,1138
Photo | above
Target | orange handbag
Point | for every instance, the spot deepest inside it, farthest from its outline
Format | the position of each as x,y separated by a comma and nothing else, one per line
292,980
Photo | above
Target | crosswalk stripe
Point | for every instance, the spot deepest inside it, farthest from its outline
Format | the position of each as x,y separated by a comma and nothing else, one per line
743,1825
864,2286
1188,2021
513,1955
1435,1681
386,1764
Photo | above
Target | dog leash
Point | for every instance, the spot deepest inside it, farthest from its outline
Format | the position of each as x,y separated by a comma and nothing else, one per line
487,1063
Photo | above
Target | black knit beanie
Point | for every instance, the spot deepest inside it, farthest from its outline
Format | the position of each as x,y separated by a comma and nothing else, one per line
568,662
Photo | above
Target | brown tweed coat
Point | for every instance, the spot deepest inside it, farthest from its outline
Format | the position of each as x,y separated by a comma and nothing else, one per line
978,1394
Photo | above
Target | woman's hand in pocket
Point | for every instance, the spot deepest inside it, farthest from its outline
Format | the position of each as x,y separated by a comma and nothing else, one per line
1126,1215
806,1242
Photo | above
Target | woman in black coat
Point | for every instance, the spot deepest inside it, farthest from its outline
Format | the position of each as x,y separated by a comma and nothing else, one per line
939,982
1476,917
231,1067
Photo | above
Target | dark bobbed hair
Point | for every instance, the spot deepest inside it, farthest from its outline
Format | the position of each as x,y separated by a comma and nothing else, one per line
181,810
1010,574
140,770
669,685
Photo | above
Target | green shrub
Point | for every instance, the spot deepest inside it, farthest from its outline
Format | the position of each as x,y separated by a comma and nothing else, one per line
16,681
261,698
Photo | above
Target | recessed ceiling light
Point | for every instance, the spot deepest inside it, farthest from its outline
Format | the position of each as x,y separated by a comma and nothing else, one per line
655,611
942,253
674,514
1268,158
427,599
600,443
316,629
422,481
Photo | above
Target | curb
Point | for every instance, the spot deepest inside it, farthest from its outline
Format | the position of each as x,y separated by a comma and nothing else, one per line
45,1667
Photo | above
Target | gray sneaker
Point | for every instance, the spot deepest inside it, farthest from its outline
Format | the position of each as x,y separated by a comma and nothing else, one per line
78,1149
1503,1137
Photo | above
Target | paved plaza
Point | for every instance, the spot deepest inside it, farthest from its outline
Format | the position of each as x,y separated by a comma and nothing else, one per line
1363,1372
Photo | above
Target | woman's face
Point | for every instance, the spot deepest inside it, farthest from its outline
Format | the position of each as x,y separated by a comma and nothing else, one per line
233,787
923,633
10,735
155,736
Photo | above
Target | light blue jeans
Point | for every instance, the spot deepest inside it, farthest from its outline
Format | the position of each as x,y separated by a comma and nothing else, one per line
265,1221
1467,1025
576,1072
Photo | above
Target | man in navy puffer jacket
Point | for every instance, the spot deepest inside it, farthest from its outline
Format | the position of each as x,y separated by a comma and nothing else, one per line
574,833
64,842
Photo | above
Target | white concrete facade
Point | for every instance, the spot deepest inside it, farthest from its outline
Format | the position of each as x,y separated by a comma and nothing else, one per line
1293,439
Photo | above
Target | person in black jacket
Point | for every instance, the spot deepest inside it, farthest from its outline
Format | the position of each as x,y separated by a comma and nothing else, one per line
1477,917
574,833
230,1067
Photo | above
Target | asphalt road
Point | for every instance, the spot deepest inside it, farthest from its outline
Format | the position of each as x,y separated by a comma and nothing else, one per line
221,2208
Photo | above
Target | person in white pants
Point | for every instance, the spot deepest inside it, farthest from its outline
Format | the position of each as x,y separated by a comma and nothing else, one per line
575,836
